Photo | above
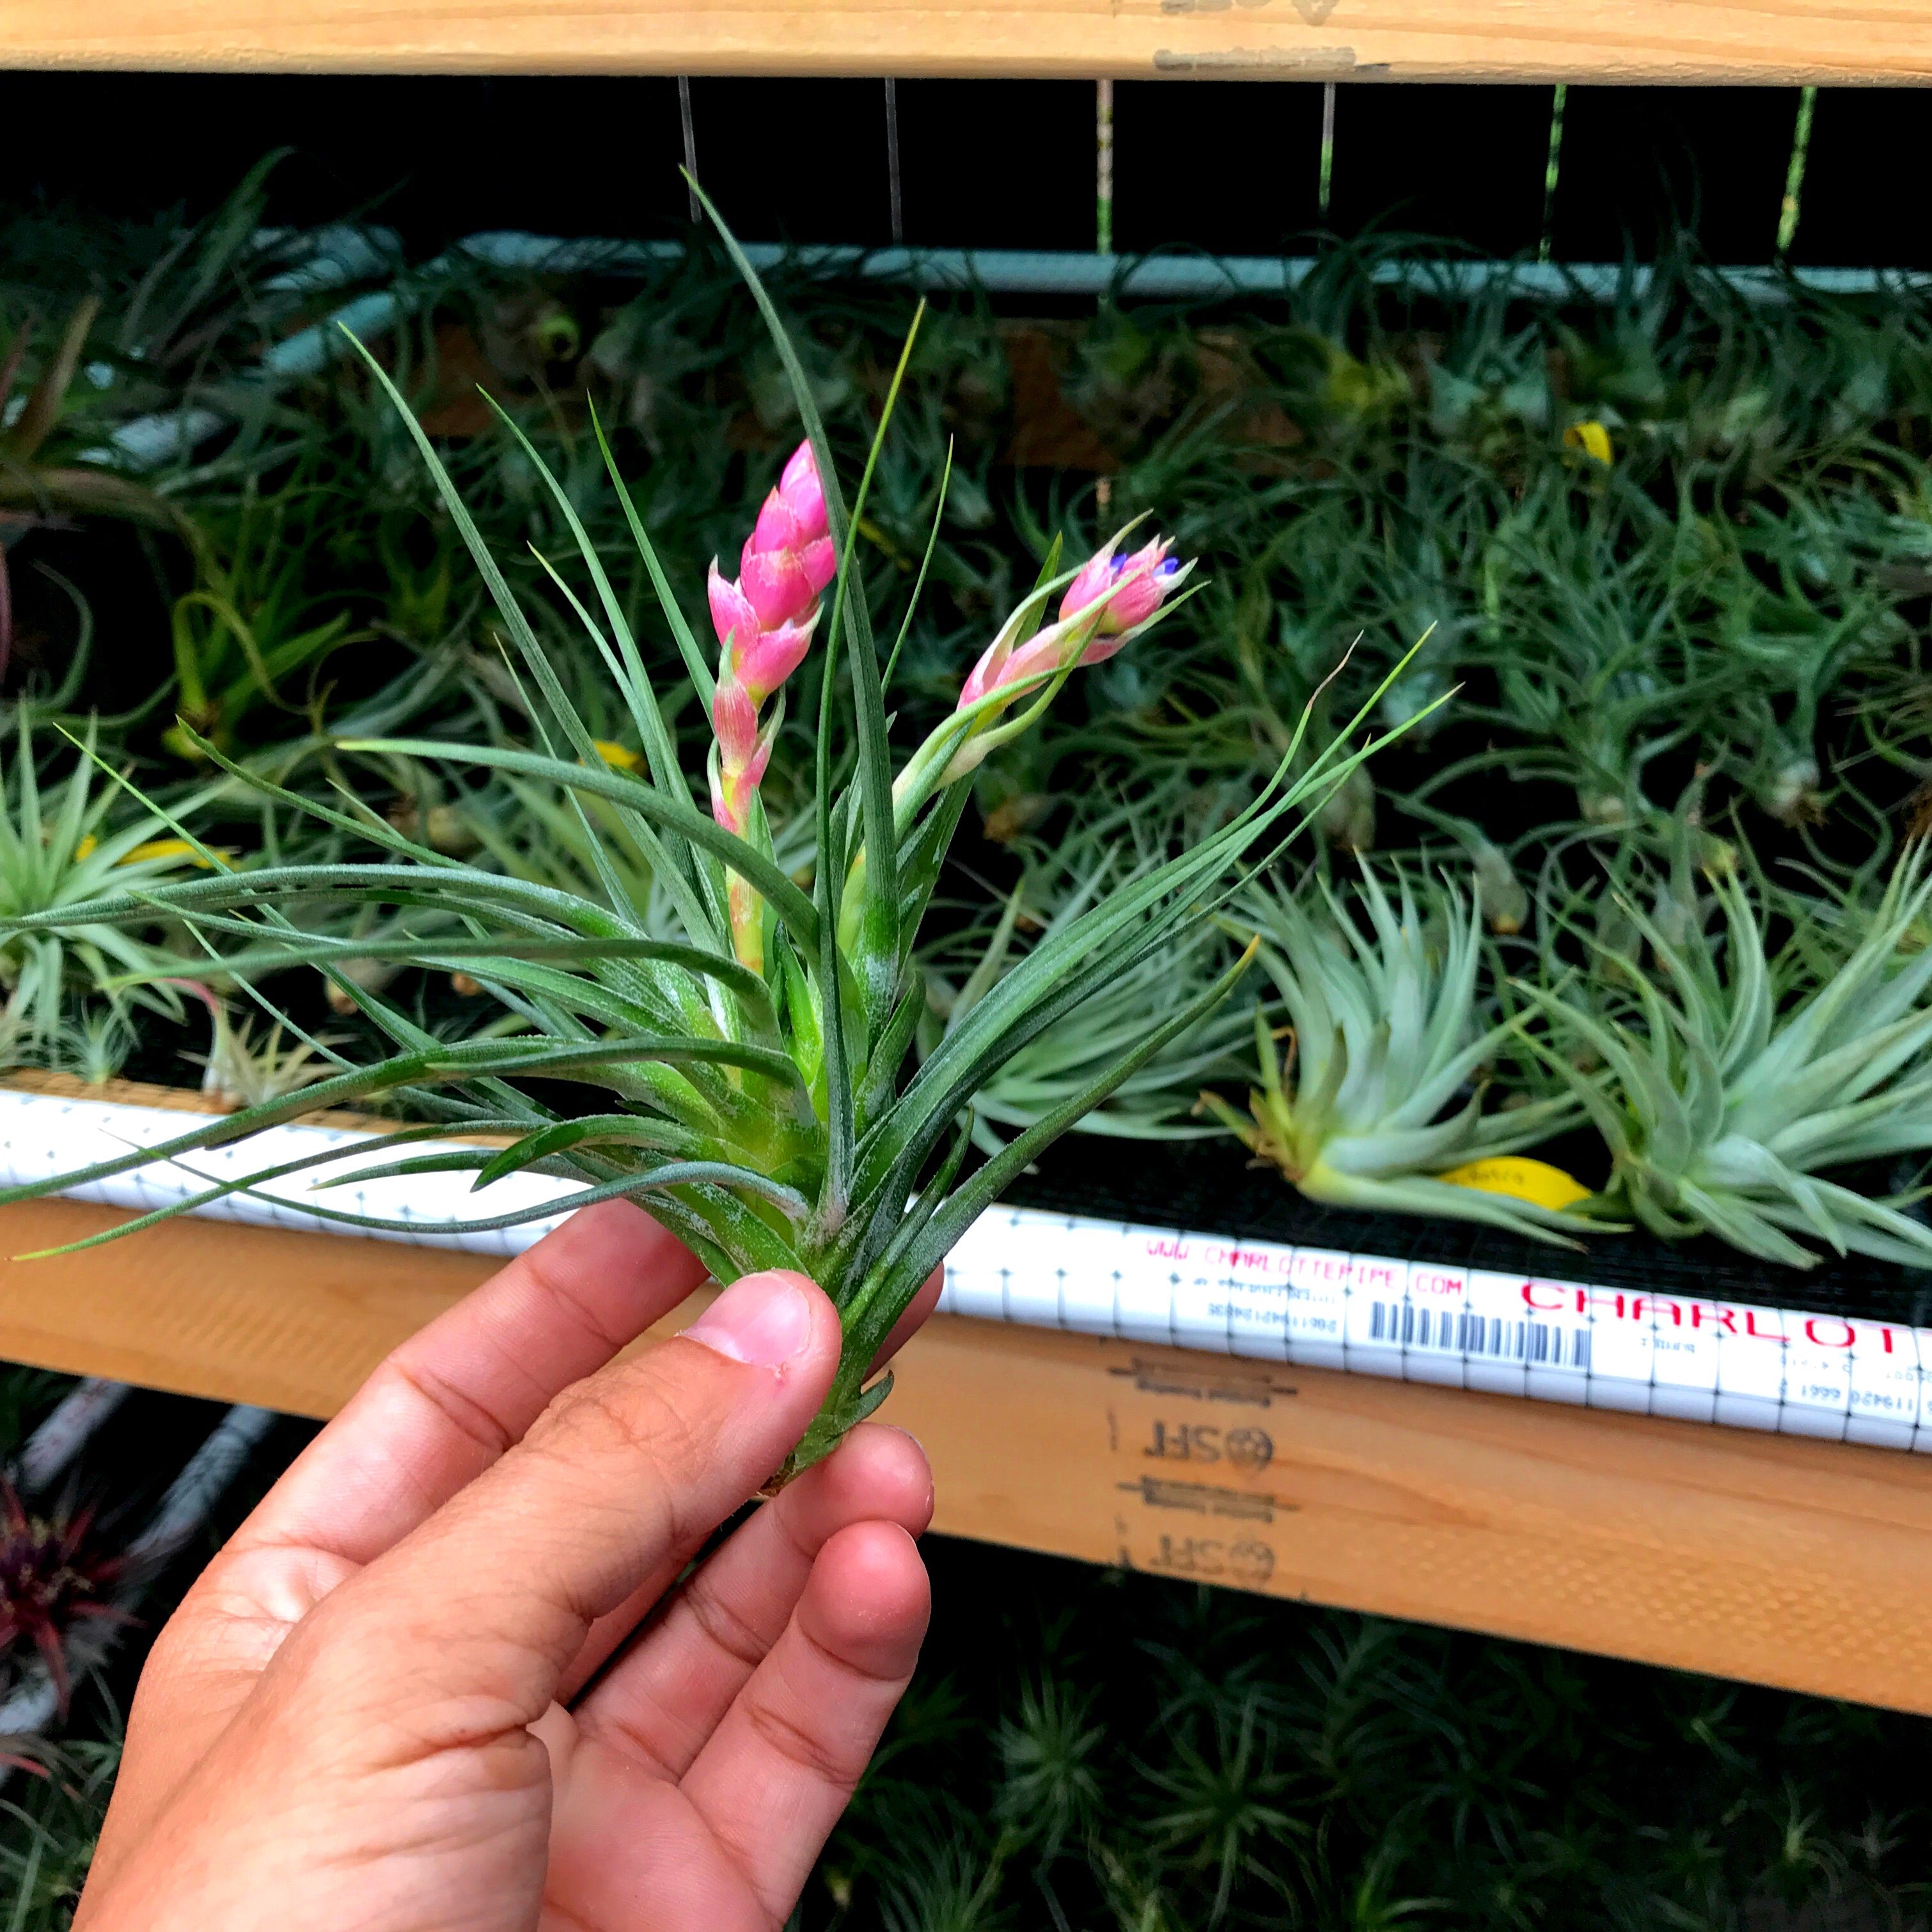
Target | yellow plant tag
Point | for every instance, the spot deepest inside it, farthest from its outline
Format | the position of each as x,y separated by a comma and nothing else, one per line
1521,1178
152,848
1593,438
169,848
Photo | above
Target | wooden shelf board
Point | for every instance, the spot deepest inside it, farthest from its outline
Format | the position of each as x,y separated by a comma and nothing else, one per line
1803,1565
1651,40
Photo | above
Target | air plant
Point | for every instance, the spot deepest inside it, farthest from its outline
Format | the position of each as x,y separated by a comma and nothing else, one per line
1787,648
1502,897
1384,1085
62,455
1734,1077
1343,401
751,1067
1583,632
62,846
1413,586
40,482
238,1071
1062,881
251,625
47,1842
51,1579
91,1043
1489,389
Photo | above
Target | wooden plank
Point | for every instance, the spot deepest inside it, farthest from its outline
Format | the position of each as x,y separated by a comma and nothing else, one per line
191,1100
293,1322
1653,40
1799,1564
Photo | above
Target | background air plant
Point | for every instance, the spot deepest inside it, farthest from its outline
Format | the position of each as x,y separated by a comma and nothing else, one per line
750,1065
1582,633
63,843
1097,854
252,634
53,1575
1383,1086
239,1071
1785,648
41,482
1734,1078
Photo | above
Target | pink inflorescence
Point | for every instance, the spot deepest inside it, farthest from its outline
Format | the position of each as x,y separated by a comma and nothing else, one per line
50,1580
764,619
1132,588
1110,599
764,622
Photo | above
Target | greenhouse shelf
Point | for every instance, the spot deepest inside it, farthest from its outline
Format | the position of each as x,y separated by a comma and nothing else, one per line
1412,1301
1613,40
1797,1562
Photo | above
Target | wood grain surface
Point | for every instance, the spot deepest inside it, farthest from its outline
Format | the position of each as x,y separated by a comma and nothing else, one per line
1655,40
1799,1564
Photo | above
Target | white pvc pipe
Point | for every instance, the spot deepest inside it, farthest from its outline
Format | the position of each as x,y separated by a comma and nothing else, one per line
34,1702
151,441
61,1437
1174,275
204,1479
1554,1337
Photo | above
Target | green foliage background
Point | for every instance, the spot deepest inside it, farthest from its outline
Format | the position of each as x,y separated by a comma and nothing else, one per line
1095,1750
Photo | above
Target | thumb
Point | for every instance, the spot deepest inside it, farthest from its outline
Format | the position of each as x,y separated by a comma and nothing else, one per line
483,1607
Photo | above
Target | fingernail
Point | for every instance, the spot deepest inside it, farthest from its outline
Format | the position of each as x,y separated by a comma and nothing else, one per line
764,1320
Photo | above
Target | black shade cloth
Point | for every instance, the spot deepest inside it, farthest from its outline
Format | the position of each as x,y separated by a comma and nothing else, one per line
1204,1187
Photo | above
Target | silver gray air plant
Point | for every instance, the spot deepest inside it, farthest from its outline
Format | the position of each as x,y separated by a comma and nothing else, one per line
1381,1089
1729,1077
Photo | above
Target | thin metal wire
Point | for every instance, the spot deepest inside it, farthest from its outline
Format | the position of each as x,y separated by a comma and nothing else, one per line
690,139
1551,169
1103,184
1327,180
1794,174
892,162
1103,223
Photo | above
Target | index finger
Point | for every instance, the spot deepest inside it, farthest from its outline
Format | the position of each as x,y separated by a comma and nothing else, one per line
484,1605
446,1404
912,1321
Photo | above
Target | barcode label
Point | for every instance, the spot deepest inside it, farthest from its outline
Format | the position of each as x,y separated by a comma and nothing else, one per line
1543,1344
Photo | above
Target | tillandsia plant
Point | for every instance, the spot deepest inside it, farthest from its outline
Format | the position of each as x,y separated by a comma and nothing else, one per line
1383,1089
65,843
71,396
1090,857
749,1037
251,635
239,1071
41,483
1593,665
53,1576
1730,1084
1788,648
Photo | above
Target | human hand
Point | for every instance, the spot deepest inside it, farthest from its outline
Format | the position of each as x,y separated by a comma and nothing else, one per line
370,1710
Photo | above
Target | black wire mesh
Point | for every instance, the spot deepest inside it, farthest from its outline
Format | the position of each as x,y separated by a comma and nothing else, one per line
1204,1188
